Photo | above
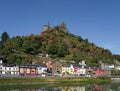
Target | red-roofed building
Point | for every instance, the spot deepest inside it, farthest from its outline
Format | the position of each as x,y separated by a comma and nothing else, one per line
98,72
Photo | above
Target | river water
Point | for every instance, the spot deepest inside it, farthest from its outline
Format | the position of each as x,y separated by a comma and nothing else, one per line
62,87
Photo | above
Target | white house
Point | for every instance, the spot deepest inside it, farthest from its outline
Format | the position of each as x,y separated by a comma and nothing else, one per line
9,69
41,69
79,69
106,68
112,66
82,71
106,65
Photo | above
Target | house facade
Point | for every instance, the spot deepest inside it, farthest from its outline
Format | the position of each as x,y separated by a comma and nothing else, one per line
79,70
67,70
56,68
98,72
29,70
76,70
41,69
9,69
89,71
106,69
82,71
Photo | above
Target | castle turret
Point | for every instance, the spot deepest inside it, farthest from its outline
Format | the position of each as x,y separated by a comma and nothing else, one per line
45,27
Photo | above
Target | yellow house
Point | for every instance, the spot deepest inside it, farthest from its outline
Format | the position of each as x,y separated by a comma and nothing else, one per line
67,70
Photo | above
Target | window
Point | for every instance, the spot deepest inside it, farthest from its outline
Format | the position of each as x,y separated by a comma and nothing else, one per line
8,72
57,69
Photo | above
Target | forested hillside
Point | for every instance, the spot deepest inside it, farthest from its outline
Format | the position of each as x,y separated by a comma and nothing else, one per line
58,43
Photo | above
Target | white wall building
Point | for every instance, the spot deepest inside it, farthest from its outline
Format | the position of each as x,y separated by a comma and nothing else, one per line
41,70
82,71
7,69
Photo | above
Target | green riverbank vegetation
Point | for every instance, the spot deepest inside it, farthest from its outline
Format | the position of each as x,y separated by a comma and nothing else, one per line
77,80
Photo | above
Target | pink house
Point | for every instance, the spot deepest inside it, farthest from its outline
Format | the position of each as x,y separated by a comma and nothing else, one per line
76,70
27,70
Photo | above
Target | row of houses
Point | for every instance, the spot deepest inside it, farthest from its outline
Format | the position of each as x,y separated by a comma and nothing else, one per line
50,68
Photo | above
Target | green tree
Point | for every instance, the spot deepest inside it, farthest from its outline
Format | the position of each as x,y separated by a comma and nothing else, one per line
4,37
52,49
35,44
17,43
26,47
6,50
62,50
18,58
116,57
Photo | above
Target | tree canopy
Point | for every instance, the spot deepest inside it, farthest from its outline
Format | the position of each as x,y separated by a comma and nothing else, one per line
4,37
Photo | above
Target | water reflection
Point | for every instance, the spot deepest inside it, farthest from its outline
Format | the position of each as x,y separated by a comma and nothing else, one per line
98,87
108,87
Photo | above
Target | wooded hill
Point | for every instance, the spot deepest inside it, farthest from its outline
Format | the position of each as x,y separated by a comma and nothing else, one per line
58,43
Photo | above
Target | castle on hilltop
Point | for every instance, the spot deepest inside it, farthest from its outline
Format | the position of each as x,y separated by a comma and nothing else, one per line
62,26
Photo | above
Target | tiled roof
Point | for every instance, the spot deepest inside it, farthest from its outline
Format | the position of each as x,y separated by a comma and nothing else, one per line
9,65
27,66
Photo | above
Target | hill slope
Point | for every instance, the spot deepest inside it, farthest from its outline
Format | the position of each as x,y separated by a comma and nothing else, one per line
58,43
61,44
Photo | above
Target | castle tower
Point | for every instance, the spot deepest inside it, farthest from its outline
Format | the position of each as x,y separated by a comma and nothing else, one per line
46,27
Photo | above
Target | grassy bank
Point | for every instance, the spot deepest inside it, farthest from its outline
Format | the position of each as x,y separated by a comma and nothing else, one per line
77,80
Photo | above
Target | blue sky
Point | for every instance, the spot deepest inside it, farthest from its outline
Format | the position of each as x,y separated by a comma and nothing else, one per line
96,20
